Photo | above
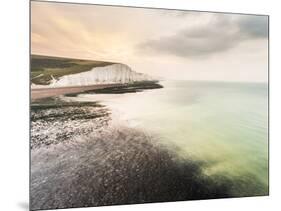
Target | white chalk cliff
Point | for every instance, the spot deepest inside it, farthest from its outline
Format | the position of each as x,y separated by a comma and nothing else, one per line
115,73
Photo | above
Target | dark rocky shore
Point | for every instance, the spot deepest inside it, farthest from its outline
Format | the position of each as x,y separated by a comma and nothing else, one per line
127,88
54,121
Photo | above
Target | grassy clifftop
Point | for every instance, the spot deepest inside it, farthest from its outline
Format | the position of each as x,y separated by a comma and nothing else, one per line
43,68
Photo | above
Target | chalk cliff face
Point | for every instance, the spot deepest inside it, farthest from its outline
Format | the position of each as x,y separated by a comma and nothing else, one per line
116,73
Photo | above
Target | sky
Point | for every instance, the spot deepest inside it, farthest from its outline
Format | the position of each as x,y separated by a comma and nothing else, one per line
168,44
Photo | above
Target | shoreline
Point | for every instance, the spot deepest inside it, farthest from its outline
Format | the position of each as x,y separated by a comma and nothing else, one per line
116,88
39,93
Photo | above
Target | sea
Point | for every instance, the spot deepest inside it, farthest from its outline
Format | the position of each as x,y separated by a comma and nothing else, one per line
224,125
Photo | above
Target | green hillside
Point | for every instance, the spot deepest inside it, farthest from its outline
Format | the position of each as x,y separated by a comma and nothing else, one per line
43,68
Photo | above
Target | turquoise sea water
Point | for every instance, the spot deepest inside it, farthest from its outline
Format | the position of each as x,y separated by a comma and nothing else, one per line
223,124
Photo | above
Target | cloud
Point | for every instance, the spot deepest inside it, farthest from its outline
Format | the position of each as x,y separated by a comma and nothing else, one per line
217,34
254,26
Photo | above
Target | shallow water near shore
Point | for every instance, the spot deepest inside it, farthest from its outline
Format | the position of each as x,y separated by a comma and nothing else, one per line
224,125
